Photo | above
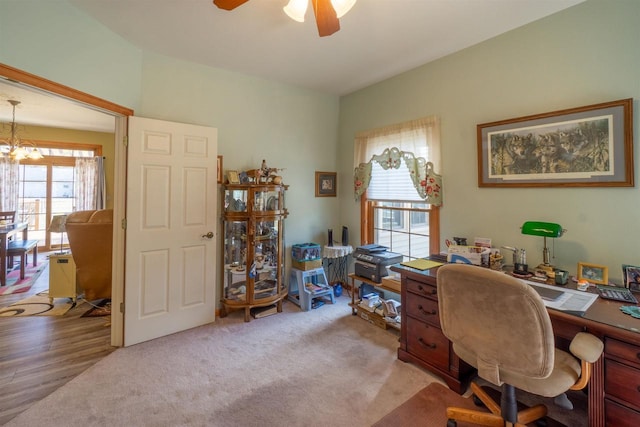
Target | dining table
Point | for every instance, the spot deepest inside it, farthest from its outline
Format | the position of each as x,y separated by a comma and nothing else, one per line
6,232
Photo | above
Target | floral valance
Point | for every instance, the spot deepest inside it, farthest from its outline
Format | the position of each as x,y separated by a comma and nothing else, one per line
427,183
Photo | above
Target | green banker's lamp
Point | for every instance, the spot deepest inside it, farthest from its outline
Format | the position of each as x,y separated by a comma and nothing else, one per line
544,229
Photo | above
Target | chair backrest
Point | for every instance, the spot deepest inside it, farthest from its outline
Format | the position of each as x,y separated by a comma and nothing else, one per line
91,241
8,216
496,322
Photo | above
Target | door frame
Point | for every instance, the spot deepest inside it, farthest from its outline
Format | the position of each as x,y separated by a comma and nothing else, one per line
121,115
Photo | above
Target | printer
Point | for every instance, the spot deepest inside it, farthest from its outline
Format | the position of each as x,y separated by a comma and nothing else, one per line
371,261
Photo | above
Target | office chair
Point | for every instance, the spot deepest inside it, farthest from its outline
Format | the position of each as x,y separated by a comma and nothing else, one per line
499,325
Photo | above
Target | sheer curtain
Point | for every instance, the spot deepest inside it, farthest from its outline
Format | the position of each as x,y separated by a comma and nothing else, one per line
9,184
89,183
420,137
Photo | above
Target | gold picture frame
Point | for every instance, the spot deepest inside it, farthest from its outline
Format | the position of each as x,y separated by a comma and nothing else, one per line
326,184
233,177
219,171
593,273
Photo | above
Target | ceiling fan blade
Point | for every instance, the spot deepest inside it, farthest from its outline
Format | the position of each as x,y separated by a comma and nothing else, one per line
326,18
229,4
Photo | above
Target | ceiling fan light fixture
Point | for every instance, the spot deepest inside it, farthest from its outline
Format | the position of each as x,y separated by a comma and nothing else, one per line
296,9
342,6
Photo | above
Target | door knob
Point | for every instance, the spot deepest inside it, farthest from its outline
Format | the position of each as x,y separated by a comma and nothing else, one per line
209,235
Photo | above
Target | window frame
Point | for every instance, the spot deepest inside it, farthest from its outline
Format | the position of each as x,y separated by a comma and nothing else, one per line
367,221
50,162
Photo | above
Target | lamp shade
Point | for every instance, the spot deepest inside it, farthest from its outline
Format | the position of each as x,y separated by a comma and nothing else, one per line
58,224
544,229
296,9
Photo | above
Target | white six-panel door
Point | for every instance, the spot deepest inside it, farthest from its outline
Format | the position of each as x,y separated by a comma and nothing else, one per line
170,231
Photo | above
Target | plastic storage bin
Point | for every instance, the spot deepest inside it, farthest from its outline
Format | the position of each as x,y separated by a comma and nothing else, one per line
305,285
306,252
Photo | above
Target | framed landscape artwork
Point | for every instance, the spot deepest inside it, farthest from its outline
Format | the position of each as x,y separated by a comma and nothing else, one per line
588,146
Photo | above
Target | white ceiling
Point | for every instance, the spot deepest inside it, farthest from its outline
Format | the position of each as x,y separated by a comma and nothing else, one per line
378,38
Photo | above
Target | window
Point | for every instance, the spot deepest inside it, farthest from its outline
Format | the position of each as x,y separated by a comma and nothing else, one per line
392,212
47,188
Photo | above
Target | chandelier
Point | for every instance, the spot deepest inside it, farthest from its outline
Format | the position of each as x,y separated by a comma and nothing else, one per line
13,146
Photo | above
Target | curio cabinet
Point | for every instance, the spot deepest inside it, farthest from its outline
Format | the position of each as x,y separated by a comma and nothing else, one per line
253,227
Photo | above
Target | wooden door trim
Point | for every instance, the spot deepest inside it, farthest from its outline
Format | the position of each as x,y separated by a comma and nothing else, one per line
20,76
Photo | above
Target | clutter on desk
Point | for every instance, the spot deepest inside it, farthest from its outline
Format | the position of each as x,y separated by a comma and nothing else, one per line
476,255
631,310
421,264
583,285
616,293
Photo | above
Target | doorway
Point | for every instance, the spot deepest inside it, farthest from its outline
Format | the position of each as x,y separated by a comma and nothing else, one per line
15,77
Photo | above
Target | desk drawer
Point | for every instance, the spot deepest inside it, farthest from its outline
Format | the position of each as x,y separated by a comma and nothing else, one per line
622,350
427,343
422,289
622,381
424,309
620,416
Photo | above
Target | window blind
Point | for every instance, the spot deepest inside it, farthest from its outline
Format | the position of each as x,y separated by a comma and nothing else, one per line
392,184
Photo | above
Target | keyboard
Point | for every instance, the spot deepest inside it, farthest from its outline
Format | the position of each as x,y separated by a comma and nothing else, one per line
616,294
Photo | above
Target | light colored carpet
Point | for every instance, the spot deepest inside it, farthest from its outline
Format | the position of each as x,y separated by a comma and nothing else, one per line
323,367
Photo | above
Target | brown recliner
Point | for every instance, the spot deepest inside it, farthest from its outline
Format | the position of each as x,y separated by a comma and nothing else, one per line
91,240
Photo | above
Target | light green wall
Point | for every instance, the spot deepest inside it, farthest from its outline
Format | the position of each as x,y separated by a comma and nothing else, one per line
104,139
291,128
584,55
52,39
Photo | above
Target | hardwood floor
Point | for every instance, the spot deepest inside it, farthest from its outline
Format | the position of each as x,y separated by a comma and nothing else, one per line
39,354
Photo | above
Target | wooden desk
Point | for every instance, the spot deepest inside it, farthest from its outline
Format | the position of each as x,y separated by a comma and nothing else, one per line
7,231
614,388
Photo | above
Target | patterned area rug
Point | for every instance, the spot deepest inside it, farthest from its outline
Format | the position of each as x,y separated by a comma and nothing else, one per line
15,285
38,305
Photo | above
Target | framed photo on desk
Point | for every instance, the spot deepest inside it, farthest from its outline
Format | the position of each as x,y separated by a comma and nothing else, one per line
593,273
631,277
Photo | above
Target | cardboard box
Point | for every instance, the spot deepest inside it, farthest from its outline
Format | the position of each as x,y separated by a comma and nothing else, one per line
306,265
373,318
476,255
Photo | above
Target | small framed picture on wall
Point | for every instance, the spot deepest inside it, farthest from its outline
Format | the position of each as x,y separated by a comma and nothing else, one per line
326,184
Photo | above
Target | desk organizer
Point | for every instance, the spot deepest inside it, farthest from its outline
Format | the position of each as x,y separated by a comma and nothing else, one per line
305,285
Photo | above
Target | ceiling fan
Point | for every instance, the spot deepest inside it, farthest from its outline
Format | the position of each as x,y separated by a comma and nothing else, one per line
327,12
